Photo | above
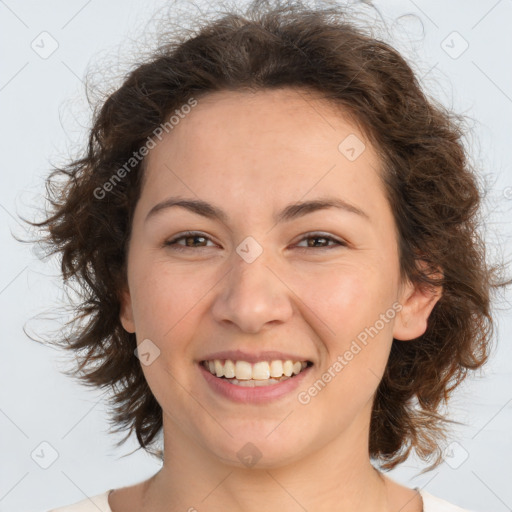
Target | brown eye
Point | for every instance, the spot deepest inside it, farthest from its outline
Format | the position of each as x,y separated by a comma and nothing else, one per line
324,240
191,240
198,240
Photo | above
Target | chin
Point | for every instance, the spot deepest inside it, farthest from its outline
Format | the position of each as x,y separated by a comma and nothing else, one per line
263,448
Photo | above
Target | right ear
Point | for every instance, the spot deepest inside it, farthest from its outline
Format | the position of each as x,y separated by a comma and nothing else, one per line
126,314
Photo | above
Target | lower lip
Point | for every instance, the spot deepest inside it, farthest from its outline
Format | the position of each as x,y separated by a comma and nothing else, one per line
260,394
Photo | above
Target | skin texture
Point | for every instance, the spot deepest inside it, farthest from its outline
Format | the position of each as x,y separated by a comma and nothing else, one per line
252,154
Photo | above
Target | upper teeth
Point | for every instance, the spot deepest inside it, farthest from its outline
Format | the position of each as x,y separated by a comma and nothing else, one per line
243,370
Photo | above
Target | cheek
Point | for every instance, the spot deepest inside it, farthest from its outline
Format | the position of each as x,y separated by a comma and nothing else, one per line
164,299
343,298
345,306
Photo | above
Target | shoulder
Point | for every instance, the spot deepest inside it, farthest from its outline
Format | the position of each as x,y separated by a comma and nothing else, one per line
432,503
98,503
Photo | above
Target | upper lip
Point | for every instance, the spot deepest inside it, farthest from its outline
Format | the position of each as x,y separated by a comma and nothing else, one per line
254,357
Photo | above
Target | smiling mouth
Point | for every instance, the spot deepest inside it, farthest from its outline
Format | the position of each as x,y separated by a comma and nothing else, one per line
262,373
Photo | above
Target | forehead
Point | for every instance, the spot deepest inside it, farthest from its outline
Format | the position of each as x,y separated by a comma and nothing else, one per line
264,145
265,118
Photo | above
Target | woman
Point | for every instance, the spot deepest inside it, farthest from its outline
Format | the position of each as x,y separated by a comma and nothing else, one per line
275,231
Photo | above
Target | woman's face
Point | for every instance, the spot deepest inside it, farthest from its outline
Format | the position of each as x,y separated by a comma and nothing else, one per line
260,282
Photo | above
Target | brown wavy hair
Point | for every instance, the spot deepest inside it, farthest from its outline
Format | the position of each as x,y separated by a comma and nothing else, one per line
431,186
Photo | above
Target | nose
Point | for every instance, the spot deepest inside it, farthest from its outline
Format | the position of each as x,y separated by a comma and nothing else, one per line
253,295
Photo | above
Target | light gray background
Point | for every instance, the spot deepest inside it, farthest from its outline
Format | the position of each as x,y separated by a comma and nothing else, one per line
44,116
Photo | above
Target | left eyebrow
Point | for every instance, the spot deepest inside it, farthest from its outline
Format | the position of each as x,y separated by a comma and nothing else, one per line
290,212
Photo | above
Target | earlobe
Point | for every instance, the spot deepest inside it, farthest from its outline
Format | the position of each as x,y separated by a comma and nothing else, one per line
126,313
417,304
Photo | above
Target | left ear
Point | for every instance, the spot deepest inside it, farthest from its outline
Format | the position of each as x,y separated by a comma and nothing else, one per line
417,304
126,313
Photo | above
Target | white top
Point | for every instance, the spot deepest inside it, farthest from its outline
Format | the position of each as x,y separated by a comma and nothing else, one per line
99,503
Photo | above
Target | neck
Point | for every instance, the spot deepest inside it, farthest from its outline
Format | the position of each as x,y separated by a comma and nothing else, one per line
337,476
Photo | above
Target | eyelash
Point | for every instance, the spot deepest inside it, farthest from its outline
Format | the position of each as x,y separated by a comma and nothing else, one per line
187,234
